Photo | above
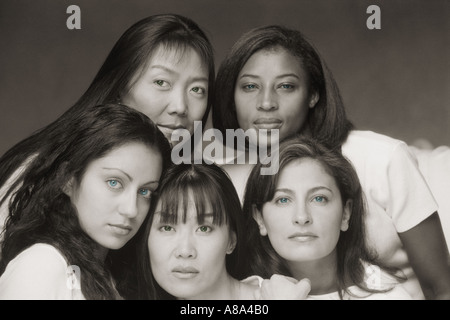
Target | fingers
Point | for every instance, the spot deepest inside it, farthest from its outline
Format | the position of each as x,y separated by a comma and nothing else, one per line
278,277
280,287
304,287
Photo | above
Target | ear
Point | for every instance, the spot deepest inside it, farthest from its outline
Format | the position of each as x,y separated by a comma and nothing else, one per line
232,242
346,215
313,99
257,216
69,187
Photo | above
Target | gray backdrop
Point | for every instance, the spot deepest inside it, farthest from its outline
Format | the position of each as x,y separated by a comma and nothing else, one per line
394,81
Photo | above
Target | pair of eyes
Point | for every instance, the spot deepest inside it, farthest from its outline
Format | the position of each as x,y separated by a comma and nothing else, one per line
253,86
116,184
286,200
201,229
165,84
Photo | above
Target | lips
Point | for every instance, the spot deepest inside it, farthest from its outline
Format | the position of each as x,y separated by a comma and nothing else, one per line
120,229
268,123
185,272
167,129
303,236
171,126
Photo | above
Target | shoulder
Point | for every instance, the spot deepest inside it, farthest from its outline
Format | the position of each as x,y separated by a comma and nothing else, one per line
367,149
253,280
38,272
370,142
42,256
250,287
390,287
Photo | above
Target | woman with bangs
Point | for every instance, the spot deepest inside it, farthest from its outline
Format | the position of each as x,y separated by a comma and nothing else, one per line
162,66
273,78
192,244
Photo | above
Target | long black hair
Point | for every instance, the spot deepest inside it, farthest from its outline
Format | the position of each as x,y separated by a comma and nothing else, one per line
127,58
327,121
209,185
40,211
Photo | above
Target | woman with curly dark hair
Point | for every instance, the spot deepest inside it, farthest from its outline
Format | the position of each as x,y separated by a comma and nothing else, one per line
81,198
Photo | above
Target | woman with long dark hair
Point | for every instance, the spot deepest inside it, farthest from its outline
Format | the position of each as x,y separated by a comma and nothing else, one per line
81,198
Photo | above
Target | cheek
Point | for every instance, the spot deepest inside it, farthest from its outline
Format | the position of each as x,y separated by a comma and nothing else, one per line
88,199
276,226
243,118
158,252
295,115
144,207
330,230
150,102
197,108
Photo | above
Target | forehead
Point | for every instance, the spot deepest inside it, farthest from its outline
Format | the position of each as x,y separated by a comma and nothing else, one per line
135,158
278,58
187,206
305,174
177,56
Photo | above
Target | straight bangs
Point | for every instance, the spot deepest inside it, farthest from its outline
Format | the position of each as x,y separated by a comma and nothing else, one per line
180,196
178,44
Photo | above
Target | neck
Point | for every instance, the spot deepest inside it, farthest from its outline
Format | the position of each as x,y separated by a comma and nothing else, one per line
322,273
226,288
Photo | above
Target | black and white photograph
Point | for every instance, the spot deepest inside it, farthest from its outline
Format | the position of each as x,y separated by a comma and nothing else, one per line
221,150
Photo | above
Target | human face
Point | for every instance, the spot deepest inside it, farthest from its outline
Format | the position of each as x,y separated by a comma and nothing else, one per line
113,196
304,219
172,90
271,92
188,259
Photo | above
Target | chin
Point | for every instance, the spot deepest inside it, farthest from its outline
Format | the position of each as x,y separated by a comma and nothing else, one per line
114,245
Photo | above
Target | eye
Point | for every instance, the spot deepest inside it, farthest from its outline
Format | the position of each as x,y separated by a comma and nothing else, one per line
286,86
282,200
114,184
166,228
204,229
249,87
161,83
145,193
199,90
320,199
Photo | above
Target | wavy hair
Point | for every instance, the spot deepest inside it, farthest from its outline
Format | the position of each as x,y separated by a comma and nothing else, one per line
40,211
353,253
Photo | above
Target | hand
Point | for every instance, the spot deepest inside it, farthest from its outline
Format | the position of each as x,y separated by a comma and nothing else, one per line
283,288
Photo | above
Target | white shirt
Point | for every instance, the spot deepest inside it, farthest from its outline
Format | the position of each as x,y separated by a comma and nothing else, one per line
40,272
398,198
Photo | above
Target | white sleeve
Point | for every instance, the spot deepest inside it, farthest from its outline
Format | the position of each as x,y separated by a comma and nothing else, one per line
37,273
410,198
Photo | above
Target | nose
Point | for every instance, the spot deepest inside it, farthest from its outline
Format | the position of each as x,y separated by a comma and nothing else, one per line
268,100
128,205
185,246
302,216
178,104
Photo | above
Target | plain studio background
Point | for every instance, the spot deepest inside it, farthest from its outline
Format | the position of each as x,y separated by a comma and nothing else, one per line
395,80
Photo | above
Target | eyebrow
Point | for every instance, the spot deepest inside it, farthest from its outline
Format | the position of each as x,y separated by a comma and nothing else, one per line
129,177
168,70
165,216
277,77
320,188
287,190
